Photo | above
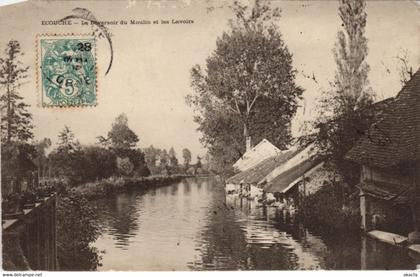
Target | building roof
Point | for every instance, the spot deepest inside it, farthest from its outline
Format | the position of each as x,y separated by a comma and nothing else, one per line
383,190
263,150
302,153
256,173
288,178
395,138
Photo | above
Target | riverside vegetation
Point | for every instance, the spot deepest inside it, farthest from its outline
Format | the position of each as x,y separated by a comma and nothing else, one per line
247,89
77,172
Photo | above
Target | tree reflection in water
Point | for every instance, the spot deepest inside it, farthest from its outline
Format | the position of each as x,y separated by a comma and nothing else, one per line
119,216
193,225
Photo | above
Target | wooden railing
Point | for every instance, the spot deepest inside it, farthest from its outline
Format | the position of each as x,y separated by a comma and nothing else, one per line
29,241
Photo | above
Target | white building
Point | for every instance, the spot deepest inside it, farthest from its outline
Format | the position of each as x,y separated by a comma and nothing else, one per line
255,155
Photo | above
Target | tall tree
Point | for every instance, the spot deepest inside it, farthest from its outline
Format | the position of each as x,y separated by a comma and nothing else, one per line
247,88
172,157
198,164
150,155
172,152
122,141
351,79
186,155
17,154
346,110
68,160
16,123
121,136
100,163
67,142
41,159
164,158
17,163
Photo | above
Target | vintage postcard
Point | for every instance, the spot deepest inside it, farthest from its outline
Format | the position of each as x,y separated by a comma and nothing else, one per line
187,135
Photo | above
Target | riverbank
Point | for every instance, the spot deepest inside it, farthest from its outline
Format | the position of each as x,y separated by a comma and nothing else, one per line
102,188
137,226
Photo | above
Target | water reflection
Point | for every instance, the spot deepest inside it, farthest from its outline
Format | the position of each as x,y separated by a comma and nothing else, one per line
274,242
193,225
119,218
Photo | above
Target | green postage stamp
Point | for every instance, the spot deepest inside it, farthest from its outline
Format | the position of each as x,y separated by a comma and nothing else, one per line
67,70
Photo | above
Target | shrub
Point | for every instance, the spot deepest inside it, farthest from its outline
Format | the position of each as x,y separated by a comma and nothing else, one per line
77,227
125,166
327,209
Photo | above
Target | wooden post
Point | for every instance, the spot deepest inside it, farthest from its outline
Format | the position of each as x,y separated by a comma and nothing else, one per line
304,197
363,210
363,254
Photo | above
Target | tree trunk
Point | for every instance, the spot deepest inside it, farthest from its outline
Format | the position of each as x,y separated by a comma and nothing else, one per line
39,172
9,116
247,139
246,130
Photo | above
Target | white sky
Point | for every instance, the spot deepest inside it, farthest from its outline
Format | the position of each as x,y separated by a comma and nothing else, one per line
150,75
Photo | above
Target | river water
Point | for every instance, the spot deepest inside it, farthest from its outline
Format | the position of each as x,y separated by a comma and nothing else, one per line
193,225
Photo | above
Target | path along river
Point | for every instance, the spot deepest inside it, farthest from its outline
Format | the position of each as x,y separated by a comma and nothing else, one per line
194,225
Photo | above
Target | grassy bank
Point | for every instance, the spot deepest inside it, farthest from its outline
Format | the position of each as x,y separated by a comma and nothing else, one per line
112,185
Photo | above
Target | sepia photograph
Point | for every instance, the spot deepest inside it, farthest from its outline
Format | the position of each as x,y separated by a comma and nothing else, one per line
209,135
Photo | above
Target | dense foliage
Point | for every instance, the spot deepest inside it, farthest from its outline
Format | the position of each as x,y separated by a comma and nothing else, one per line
346,111
330,209
16,123
78,164
186,155
162,162
247,87
67,160
24,161
17,163
77,227
17,152
121,136
100,163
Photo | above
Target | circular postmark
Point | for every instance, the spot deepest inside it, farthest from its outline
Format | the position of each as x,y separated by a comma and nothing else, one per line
68,72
